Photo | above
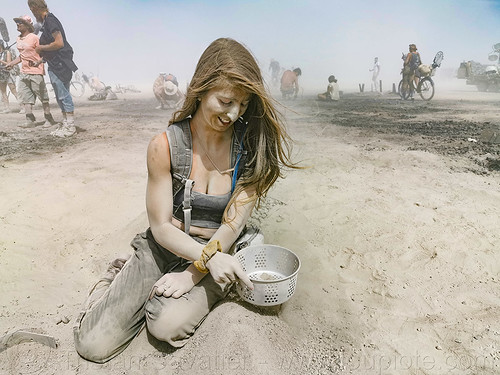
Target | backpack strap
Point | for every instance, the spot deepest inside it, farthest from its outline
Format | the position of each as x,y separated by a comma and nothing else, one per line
186,205
181,157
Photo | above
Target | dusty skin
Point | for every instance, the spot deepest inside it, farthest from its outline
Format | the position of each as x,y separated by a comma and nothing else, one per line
395,220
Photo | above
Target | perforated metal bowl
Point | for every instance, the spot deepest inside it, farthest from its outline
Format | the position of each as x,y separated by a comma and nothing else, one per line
273,271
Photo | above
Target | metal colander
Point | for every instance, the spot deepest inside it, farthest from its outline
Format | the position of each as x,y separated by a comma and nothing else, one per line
273,271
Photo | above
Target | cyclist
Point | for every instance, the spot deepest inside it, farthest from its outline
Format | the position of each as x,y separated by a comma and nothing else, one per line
411,64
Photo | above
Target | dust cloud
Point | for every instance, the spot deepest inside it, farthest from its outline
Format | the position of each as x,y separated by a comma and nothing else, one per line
130,42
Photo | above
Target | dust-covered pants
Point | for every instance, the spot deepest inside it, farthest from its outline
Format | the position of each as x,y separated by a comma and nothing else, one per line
109,325
408,77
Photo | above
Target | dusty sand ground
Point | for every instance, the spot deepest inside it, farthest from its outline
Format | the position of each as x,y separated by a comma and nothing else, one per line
396,221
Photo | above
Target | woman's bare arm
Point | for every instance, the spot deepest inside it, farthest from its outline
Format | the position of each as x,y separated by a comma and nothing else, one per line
159,203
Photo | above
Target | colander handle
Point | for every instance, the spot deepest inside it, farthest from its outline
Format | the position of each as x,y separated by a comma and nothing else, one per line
241,244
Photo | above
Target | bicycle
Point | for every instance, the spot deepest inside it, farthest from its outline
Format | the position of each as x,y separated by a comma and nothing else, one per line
76,86
125,89
76,89
425,86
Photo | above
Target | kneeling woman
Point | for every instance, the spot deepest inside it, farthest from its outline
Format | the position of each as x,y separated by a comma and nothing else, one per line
218,157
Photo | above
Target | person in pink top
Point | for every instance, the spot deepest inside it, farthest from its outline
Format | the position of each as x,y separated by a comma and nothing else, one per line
31,83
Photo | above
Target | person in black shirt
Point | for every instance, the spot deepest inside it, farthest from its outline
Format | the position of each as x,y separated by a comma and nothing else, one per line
58,53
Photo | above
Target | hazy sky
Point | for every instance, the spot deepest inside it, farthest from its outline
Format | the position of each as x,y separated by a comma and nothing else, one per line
131,41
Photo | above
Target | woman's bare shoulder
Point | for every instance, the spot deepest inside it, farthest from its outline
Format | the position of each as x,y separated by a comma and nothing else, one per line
158,152
158,143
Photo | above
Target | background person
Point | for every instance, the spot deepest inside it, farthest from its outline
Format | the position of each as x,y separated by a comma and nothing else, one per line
166,91
410,66
7,78
290,83
58,53
31,81
332,90
376,71
274,67
96,84
227,138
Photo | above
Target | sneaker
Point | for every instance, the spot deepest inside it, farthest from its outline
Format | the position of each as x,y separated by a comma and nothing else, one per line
60,125
70,130
6,110
64,131
22,111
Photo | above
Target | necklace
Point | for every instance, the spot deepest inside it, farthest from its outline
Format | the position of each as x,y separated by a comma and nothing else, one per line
208,156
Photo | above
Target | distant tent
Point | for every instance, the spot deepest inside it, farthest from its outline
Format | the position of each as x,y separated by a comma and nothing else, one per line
4,31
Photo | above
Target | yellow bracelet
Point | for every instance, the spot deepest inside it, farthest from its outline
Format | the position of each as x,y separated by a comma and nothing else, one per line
207,253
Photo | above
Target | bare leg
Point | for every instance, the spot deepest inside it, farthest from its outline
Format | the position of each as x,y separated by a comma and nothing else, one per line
46,108
28,108
13,90
47,114
5,98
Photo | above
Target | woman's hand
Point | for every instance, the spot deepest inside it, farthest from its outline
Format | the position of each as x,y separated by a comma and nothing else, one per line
174,284
226,269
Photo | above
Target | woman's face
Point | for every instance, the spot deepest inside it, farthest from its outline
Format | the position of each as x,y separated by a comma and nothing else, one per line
222,106
21,27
